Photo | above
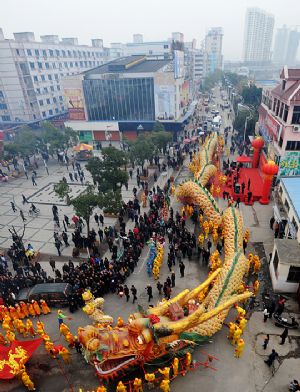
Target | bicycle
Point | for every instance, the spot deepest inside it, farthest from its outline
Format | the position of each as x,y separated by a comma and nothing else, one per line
34,213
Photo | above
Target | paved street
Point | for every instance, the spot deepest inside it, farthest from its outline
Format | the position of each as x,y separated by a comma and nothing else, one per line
247,374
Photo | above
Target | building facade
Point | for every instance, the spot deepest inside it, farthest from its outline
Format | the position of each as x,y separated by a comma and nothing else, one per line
31,72
279,122
213,50
258,34
133,92
286,46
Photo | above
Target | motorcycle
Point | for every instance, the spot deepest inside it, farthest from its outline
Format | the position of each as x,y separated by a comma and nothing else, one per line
282,322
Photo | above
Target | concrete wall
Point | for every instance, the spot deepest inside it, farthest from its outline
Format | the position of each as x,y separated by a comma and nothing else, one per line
291,213
279,279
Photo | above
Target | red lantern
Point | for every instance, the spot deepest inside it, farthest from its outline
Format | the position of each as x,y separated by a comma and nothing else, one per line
257,144
269,170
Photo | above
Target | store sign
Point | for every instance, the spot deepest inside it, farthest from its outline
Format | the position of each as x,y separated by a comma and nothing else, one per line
290,164
273,127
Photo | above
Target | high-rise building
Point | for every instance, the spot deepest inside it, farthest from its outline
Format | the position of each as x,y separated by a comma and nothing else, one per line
213,50
286,46
258,34
138,38
31,73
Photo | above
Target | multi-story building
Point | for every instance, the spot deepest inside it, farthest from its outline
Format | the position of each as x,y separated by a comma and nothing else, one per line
286,46
138,38
213,50
279,122
126,96
31,73
258,34
198,64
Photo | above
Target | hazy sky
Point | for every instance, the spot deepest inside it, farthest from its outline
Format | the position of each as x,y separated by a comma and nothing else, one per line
117,20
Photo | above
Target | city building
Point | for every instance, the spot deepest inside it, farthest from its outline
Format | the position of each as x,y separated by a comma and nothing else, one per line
163,49
213,50
286,46
258,34
31,73
126,96
198,64
138,38
279,122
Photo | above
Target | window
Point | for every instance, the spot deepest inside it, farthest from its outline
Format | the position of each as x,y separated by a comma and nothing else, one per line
293,275
166,46
296,115
56,110
43,78
63,53
45,53
71,64
50,112
292,145
36,52
45,90
57,52
29,52
76,64
44,114
51,52
285,113
38,91
5,118
286,204
74,53
58,88
40,65
32,66
66,64
49,77
69,53
295,224
56,76
35,78
52,88
275,261
60,98
1,94
41,102
54,100
47,65
150,52
48,101
54,65
3,106
18,52
62,108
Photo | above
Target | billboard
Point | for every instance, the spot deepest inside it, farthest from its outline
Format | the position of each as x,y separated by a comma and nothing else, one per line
184,95
274,127
290,164
178,64
74,98
165,102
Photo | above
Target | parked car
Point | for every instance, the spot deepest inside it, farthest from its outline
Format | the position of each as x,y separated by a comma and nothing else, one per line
55,294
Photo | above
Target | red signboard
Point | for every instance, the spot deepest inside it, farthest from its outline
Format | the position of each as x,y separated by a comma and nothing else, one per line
76,114
272,126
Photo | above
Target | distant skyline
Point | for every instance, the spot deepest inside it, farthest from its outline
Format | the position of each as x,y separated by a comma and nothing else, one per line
118,20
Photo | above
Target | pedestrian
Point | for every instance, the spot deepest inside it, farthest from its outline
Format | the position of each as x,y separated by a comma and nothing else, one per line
271,358
209,245
130,173
101,219
284,335
126,292
33,180
22,216
249,183
266,314
149,292
266,342
52,264
237,204
243,187
66,219
100,233
13,206
24,199
133,292
65,238
56,220
173,278
96,217
76,176
181,269
71,177
272,308
57,246
272,220
159,287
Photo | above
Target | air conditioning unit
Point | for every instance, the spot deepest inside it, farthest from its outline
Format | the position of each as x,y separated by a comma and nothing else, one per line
296,129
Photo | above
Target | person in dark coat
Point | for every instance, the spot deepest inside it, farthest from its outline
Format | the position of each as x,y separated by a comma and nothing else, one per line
271,358
133,292
126,292
284,335
149,292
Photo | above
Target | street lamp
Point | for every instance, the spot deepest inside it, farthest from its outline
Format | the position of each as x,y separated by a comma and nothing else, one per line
243,108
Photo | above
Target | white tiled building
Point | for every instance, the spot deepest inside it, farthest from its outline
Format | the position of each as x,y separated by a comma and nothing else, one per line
258,34
31,73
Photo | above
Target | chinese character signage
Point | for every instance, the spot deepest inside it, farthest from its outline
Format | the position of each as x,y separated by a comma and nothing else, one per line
290,164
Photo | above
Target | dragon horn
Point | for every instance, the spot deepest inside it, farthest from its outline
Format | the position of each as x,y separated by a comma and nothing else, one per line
198,317
163,308
195,292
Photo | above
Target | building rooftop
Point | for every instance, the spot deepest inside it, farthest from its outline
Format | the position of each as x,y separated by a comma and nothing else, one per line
290,93
129,64
290,73
288,251
292,187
